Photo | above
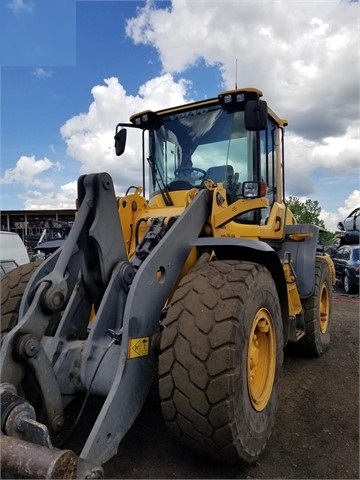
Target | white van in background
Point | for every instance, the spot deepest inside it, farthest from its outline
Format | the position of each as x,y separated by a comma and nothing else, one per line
12,252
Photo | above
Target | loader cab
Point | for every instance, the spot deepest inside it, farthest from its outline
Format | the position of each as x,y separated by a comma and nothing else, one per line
234,139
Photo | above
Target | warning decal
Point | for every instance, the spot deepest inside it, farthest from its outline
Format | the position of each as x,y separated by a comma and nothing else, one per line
138,347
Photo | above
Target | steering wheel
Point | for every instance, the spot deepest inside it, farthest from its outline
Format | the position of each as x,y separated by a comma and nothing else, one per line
192,173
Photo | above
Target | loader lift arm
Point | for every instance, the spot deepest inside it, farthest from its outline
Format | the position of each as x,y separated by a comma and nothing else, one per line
92,269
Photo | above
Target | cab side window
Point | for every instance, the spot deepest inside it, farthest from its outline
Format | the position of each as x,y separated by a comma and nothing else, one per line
267,160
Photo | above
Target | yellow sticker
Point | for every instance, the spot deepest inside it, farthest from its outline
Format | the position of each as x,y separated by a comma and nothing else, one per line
138,347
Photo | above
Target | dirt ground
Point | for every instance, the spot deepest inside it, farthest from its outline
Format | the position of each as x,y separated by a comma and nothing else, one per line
316,434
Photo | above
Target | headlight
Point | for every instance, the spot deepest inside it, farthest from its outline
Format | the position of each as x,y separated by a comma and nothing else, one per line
254,189
145,119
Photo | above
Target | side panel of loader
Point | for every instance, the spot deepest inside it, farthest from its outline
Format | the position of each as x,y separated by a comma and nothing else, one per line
299,246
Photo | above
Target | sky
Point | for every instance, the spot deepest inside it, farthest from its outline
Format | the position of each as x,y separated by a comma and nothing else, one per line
72,69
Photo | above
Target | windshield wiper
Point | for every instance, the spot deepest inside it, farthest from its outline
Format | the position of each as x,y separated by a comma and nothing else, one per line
164,189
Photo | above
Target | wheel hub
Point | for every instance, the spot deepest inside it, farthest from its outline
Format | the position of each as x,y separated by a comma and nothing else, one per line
261,362
324,313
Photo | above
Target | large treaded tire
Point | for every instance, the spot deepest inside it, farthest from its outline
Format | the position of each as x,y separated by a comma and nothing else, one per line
207,350
13,285
317,313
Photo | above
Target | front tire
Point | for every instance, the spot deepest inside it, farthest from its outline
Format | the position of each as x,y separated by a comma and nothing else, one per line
221,358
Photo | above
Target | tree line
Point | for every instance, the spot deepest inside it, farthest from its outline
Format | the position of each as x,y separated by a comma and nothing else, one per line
309,212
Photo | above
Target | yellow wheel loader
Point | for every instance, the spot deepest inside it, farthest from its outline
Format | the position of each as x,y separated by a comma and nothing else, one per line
199,284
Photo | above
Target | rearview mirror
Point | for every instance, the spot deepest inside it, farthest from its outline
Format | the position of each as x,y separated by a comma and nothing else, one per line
120,141
256,115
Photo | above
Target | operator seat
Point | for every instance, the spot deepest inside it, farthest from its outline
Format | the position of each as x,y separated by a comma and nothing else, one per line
221,173
230,180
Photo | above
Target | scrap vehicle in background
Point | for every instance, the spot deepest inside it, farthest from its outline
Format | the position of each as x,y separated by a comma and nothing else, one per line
345,253
13,252
52,237
350,228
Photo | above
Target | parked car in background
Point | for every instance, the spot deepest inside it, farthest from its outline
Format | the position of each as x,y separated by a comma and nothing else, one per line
346,260
12,252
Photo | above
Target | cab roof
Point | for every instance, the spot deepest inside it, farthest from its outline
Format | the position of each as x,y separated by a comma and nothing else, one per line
249,92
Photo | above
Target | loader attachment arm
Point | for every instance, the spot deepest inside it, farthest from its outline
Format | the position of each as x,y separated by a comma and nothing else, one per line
136,355
55,311
113,355
85,262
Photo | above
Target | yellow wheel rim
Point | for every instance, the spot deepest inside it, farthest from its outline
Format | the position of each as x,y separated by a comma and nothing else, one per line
261,361
324,308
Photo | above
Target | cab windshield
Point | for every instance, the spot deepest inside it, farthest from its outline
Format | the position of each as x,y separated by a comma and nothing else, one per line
205,143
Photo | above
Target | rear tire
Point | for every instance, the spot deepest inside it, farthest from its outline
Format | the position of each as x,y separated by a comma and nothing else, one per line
13,285
317,313
221,358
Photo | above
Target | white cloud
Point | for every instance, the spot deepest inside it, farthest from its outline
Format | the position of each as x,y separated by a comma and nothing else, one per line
20,6
90,136
40,72
334,156
63,198
27,171
335,153
303,55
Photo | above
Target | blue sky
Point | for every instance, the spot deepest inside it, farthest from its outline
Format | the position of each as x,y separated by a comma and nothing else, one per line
70,70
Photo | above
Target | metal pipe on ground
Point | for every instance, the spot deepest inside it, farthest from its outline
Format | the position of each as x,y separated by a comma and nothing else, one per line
35,461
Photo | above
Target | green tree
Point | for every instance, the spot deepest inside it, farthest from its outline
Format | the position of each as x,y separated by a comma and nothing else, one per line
309,212
305,212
